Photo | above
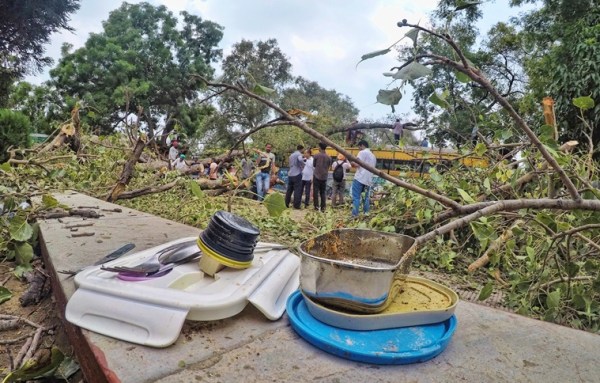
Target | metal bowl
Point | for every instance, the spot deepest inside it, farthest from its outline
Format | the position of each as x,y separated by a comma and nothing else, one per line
353,269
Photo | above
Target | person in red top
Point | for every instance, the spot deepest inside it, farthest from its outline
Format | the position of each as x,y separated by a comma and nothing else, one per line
321,163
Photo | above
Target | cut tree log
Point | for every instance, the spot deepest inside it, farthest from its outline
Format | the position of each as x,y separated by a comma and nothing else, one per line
127,172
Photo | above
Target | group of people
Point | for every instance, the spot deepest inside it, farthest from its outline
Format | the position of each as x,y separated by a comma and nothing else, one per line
307,170
306,174
177,161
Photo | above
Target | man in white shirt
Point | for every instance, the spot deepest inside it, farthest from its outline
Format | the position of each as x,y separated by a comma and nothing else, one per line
363,179
180,163
307,176
173,152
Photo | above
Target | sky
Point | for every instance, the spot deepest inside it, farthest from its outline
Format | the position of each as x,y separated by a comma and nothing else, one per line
323,39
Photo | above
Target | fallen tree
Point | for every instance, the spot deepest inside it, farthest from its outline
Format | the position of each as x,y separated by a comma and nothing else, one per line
452,209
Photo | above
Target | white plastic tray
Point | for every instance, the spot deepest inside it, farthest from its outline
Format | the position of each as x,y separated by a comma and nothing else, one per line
152,312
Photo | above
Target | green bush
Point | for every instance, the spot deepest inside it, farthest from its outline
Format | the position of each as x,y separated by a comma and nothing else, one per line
14,131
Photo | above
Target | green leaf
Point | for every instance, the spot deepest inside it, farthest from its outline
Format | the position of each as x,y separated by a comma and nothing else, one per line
412,71
547,133
6,167
413,34
36,233
572,269
262,90
465,196
373,54
20,270
10,204
506,134
275,204
434,175
584,103
591,266
486,291
23,253
486,184
480,149
195,188
553,299
31,371
67,368
5,294
439,100
530,252
49,201
460,5
462,77
389,97
19,229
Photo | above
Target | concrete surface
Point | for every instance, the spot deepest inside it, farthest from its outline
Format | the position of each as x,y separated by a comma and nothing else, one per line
489,345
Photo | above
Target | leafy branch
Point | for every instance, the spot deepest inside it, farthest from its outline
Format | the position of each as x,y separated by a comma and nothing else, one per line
472,211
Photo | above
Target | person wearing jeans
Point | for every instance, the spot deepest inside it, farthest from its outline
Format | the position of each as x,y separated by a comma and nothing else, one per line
362,179
294,187
357,189
266,165
263,181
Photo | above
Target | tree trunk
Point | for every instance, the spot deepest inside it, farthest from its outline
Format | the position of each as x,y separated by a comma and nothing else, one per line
127,172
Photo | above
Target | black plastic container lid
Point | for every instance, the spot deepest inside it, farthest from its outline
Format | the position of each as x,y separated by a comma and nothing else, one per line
226,252
236,223
228,242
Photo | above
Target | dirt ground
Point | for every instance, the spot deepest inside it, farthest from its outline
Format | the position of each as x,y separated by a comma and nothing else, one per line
44,314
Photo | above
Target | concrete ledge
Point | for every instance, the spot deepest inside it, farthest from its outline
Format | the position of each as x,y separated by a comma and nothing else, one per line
488,346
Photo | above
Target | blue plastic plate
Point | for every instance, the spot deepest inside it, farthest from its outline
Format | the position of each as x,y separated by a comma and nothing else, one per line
403,345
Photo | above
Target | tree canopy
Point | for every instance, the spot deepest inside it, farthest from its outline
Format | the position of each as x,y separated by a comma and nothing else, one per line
25,27
142,63
250,63
551,50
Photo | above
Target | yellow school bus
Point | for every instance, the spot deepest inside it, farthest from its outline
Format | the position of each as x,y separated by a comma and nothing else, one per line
415,161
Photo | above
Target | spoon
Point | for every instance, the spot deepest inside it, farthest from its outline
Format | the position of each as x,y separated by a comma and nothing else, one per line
172,254
165,269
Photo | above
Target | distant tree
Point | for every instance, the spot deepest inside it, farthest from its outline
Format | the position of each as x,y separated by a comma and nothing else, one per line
563,45
551,50
250,63
452,105
40,103
326,109
14,131
143,60
25,27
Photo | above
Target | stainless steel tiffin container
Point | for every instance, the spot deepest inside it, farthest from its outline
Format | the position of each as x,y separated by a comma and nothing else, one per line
353,269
